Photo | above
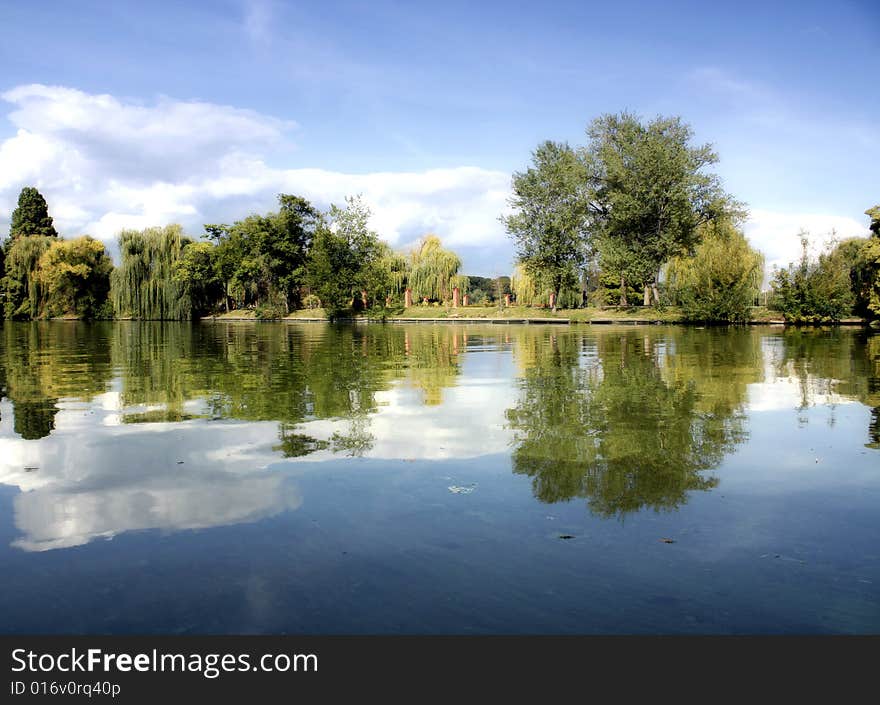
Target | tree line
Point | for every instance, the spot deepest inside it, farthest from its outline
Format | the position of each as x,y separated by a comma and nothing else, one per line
292,258
634,215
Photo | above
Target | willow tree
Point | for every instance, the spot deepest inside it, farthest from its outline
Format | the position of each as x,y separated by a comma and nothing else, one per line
21,286
723,278
144,286
532,290
434,270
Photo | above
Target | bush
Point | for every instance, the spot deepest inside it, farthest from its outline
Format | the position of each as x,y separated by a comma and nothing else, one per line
268,311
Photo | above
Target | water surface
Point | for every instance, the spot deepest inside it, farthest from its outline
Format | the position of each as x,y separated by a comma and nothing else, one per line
310,478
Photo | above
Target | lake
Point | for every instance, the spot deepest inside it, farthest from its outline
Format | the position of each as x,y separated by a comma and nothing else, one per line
418,478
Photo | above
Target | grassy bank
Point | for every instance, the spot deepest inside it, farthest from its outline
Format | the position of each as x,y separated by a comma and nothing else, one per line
669,314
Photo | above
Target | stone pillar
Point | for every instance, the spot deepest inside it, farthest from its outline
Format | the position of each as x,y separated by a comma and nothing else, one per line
552,299
456,296
407,298
465,301
507,299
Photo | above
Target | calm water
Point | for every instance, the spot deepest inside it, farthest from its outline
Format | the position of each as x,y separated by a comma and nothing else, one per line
306,478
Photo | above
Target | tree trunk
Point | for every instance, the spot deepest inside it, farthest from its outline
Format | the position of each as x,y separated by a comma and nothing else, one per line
623,301
646,299
656,294
553,301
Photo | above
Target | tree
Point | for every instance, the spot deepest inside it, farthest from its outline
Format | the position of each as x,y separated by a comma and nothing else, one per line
871,265
262,259
720,282
649,194
433,270
74,277
31,217
144,286
347,260
196,270
21,285
549,225
814,289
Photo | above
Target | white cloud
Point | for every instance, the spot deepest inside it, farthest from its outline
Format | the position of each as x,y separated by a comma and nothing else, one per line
775,233
105,163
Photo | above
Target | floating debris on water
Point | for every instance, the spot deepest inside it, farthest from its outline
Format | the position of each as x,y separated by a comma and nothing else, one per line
463,489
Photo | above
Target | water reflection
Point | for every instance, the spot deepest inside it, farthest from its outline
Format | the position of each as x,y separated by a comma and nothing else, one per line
626,421
108,428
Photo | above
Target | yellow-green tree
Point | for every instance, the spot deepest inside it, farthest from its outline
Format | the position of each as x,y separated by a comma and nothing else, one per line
74,278
721,280
434,270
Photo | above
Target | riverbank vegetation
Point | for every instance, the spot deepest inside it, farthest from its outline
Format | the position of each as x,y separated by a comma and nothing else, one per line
633,218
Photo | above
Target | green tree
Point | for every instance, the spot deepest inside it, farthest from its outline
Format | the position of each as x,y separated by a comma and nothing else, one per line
144,285
31,216
649,193
549,225
262,259
871,265
814,289
197,271
720,281
74,276
21,286
348,261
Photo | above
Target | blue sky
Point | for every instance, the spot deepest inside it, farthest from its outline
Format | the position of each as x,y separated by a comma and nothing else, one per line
130,114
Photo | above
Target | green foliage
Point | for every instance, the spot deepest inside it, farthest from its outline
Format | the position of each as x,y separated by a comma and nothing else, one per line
22,290
31,216
347,262
197,271
649,192
433,271
720,282
814,289
263,258
74,278
531,291
870,267
145,285
550,224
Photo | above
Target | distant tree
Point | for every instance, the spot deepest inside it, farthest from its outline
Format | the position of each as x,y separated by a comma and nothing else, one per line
31,216
720,281
262,259
347,259
649,193
74,276
433,270
197,271
549,225
814,289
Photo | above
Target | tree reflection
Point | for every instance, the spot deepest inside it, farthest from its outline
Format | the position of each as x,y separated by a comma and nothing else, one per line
628,419
43,363
832,361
